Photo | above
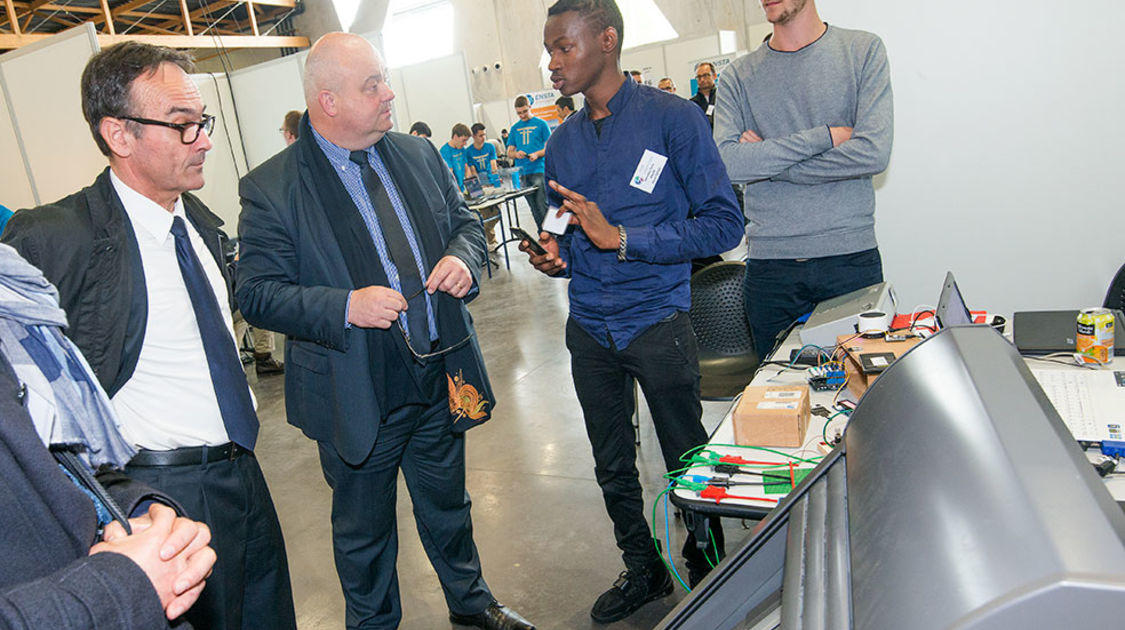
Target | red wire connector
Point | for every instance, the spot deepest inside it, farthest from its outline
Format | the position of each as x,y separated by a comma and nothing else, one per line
718,494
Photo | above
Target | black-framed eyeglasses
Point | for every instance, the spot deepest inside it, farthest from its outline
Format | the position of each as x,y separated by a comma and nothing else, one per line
189,131
422,356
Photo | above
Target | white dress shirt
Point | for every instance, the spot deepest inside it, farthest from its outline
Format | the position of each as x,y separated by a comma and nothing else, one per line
169,402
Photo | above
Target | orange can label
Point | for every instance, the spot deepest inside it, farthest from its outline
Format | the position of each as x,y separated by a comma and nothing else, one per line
1094,341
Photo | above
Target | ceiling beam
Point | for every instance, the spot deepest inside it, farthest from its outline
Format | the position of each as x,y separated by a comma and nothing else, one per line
10,41
12,17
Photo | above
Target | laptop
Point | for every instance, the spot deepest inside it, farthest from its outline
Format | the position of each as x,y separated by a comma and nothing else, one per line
473,189
951,309
1046,332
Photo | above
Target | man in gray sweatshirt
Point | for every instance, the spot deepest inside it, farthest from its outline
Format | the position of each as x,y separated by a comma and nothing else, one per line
806,121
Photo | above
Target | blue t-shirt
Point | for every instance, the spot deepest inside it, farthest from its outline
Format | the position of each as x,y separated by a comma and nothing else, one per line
481,159
456,159
529,136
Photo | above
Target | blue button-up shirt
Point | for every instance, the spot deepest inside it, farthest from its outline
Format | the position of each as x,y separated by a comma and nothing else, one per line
351,175
690,213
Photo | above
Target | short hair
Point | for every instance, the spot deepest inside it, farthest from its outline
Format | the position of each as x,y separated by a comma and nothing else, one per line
460,130
477,127
108,79
521,101
636,73
421,128
599,14
565,101
709,65
292,123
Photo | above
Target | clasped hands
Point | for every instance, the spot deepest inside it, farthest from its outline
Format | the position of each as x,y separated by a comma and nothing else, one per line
172,550
585,214
379,307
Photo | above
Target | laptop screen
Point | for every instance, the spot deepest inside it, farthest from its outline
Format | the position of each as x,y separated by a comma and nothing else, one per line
951,309
473,188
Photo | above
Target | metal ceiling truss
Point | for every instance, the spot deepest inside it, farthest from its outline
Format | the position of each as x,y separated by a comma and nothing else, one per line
222,24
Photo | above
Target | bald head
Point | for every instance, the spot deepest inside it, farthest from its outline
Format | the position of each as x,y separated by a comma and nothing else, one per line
346,91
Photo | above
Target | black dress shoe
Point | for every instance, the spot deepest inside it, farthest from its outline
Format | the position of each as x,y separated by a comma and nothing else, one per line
632,590
495,617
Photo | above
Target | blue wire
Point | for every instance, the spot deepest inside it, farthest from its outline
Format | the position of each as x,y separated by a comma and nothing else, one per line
668,538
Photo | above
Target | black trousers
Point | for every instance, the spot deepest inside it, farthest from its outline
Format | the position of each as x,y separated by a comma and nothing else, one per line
776,292
249,587
665,361
417,439
537,200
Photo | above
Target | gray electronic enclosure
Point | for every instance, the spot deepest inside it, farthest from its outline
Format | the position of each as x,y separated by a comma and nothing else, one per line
957,500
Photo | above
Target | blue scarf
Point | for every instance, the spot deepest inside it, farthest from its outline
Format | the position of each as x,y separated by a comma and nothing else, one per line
64,399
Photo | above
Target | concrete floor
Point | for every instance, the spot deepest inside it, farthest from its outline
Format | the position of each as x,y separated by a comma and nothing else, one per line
545,541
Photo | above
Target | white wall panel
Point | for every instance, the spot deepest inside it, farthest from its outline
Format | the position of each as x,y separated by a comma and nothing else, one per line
1007,150
42,84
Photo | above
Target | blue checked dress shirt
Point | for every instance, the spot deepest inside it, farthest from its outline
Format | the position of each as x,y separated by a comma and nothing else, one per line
351,177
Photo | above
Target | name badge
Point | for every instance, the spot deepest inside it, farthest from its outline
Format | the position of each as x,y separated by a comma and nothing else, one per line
710,110
648,171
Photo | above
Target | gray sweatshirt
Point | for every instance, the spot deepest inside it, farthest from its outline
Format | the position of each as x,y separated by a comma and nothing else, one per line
804,198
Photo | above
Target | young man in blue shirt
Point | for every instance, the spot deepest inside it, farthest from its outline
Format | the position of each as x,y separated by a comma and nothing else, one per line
527,142
648,192
453,152
482,157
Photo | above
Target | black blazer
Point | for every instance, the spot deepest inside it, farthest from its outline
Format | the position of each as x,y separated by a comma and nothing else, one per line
47,580
85,245
294,277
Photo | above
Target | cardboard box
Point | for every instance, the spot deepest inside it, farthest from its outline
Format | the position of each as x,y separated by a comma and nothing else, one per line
774,415
883,353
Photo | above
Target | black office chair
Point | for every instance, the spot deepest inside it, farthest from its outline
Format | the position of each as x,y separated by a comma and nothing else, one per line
727,360
1115,296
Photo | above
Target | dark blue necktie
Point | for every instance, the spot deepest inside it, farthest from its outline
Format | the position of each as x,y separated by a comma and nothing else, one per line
394,235
227,376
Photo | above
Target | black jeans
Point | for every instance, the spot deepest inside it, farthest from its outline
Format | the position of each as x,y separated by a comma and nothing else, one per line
665,362
776,292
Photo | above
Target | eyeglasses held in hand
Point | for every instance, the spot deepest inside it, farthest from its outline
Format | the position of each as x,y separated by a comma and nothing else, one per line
422,356
189,131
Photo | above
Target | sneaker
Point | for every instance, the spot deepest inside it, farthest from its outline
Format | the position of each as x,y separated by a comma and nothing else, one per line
268,365
632,590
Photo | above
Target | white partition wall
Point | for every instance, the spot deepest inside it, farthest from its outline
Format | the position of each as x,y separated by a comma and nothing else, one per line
226,162
263,94
15,184
435,91
1007,152
43,94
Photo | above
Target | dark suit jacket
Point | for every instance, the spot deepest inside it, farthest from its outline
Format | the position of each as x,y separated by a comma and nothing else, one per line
85,245
293,277
47,580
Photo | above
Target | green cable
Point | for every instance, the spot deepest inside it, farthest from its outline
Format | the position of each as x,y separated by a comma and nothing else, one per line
656,544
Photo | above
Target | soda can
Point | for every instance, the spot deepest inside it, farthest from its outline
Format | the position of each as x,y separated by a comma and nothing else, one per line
1094,341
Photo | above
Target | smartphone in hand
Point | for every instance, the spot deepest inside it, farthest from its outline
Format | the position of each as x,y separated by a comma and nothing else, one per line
532,242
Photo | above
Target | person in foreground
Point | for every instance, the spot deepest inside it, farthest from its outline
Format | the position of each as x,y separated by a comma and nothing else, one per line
648,196
65,562
357,245
138,263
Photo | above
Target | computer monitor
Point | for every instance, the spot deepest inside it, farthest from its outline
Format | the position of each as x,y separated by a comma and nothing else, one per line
473,188
951,309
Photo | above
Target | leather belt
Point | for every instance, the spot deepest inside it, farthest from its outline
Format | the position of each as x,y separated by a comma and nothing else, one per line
188,456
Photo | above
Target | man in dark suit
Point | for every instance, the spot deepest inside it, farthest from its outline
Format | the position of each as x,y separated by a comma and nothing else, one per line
138,263
357,245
